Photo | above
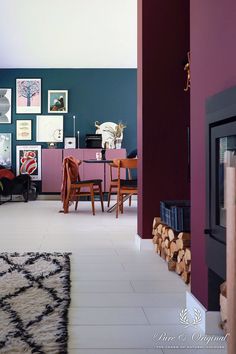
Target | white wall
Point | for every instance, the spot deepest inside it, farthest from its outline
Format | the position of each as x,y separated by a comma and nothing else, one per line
68,34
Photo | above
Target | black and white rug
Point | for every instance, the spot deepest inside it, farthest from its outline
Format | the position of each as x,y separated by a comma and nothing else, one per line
34,302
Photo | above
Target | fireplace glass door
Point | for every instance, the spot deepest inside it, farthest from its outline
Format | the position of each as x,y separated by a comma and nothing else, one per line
222,155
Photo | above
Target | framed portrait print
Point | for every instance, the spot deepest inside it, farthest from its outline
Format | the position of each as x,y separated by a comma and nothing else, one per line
49,129
28,96
57,101
23,129
5,149
28,161
5,105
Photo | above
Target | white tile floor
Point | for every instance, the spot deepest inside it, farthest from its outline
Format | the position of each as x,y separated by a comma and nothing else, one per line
122,299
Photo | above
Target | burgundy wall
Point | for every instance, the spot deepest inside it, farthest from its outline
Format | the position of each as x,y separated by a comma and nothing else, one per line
163,108
213,69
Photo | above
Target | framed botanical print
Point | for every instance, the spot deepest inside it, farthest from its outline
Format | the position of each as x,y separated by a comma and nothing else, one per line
23,129
28,96
5,149
57,101
5,105
28,161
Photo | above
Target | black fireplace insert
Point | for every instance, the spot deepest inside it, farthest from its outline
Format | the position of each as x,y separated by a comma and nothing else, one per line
220,153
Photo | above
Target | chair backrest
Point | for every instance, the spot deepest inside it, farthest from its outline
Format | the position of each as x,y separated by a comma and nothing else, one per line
129,164
126,163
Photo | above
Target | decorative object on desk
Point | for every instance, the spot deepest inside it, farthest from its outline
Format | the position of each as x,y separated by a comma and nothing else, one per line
78,139
28,161
103,153
28,96
57,101
49,129
70,143
93,141
35,299
187,68
5,149
110,133
5,106
98,156
23,129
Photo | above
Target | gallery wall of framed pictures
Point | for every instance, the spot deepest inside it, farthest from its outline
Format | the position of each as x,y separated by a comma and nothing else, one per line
88,94
46,128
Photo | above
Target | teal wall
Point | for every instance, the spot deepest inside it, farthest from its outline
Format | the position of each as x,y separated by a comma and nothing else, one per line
94,94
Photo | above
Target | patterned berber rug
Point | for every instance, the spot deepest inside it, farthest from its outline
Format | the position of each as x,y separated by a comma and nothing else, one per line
34,302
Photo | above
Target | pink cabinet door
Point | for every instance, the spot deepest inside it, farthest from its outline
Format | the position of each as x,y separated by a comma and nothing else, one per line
51,170
79,155
111,155
93,170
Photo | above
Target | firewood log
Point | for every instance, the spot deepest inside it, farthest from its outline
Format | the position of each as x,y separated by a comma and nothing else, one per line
182,244
180,256
171,234
186,277
184,236
173,247
159,228
171,265
187,256
179,268
154,240
156,222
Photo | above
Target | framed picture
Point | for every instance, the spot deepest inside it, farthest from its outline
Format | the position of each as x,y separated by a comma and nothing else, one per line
5,106
49,129
28,161
57,101
5,149
23,129
28,96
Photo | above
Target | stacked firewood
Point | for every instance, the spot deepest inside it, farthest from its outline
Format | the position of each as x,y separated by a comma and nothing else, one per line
174,248
223,306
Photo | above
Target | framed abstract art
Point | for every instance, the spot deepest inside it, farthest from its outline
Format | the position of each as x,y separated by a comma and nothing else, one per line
5,149
28,161
5,105
28,96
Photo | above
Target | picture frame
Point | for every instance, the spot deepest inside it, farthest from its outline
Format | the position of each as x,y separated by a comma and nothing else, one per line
28,161
28,96
23,129
58,101
5,105
6,149
49,129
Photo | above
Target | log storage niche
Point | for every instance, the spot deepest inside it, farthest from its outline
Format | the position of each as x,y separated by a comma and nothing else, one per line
174,248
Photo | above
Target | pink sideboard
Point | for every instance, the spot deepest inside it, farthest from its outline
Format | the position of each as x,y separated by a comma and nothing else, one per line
52,166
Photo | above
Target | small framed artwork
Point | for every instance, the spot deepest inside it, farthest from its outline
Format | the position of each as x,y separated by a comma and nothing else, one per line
5,106
57,101
28,161
23,129
70,143
28,96
5,149
49,129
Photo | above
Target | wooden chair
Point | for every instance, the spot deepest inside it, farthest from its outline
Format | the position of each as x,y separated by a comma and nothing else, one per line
74,186
125,187
114,183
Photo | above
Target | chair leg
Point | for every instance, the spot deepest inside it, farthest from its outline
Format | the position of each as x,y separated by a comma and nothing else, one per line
77,200
101,197
92,199
118,204
122,204
109,197
130,200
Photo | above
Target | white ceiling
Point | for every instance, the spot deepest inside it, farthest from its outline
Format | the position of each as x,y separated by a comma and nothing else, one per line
68,34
